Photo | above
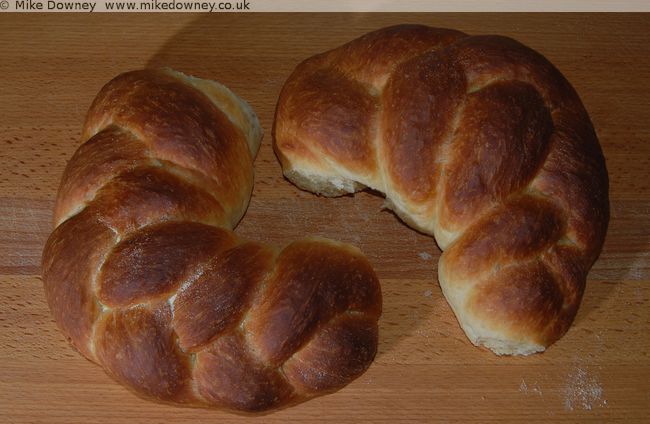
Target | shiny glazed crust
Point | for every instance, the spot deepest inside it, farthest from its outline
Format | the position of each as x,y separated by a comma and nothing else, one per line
145,277
476,140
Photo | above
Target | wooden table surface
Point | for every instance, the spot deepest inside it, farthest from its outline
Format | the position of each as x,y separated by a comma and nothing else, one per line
426,370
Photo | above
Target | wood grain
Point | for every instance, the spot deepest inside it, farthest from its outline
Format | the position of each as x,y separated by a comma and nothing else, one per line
426,370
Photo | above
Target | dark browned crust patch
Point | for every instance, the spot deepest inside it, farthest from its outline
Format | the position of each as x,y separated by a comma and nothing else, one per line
228,376
157,260
340,351
217,301
312,282
138,347
420,101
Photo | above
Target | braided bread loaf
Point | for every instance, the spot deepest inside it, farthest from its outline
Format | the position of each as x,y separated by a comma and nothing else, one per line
478,141
145,277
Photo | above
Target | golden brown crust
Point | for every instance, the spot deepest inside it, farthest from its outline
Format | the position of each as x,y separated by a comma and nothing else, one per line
417,125
137,346
479,141
146,195
155,261
312,282
483,168
218,300
69,271
516,231
372,57
243,383
179,124
109,152
346,336
145,277
521,298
